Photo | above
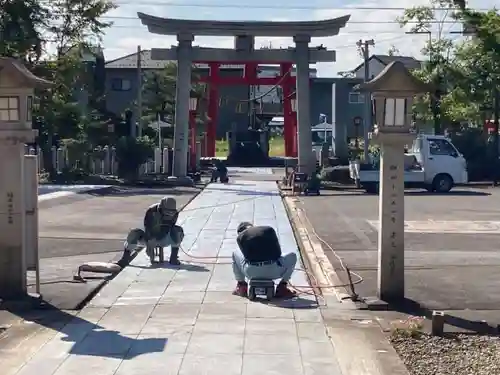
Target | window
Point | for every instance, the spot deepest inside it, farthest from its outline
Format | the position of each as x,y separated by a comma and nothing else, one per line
9,108
29,108
356,98
118,84
395,112
441,147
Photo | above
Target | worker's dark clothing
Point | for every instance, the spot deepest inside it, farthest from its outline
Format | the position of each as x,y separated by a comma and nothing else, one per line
162,231
259,244
219,171
259,257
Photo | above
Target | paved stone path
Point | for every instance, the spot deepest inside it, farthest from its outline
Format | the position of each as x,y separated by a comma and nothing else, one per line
185,321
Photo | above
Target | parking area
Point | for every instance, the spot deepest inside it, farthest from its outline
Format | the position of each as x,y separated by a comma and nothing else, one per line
451,244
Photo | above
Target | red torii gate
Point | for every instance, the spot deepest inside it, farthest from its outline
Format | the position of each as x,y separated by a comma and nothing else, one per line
250,77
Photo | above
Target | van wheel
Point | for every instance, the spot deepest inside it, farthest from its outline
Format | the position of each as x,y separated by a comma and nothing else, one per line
442,183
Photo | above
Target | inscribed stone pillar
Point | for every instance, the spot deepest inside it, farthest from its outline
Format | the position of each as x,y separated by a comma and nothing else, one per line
304,132
31,200
183,90
12,223
391,267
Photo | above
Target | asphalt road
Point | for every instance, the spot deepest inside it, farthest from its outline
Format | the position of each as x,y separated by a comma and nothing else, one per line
454,268
89,227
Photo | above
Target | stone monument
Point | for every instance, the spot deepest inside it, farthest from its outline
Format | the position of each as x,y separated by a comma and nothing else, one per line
16,100
392,93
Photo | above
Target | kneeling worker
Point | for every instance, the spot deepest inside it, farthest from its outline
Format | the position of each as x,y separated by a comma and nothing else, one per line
161,230
260,257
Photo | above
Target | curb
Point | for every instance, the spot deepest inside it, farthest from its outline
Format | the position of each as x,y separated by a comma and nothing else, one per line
312,250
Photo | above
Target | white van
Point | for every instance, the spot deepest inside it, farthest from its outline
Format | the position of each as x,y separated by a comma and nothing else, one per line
432,163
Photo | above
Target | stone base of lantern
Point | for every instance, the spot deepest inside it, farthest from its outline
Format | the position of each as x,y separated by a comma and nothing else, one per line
13,212
391,264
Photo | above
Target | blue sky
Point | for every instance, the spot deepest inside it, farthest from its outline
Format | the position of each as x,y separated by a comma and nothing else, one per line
375,22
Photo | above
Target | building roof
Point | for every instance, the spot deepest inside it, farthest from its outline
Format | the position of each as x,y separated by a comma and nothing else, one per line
408,61
18,68
173,26
130,62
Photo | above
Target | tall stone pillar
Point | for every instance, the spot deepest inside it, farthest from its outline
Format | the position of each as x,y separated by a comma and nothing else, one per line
183,90
391,246
12,217
304,133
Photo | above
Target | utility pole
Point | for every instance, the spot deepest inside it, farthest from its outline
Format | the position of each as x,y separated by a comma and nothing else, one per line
364,46
139,96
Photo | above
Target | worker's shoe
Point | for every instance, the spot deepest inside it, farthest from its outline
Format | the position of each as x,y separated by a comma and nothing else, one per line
241,289
282,291
174,257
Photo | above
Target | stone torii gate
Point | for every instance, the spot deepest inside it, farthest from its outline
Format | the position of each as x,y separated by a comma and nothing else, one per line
244,53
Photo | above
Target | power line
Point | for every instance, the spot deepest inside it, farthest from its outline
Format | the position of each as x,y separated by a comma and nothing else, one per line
348,22
266,6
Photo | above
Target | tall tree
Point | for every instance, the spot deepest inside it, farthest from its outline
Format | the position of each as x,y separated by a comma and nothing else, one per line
22,23
159,90
433,20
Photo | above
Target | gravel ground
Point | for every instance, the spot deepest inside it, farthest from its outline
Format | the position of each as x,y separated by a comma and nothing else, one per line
459,354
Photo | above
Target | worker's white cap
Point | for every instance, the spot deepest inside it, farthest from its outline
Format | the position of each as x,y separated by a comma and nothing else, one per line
168,203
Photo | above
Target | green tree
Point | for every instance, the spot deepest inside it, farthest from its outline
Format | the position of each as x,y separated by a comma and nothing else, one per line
22,23
439,68
159,91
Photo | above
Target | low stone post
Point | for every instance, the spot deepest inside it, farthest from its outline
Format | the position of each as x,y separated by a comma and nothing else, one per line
165,160
157,161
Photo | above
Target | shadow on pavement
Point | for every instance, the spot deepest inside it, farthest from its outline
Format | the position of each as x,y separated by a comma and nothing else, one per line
124,191
330,192
88,338
411,307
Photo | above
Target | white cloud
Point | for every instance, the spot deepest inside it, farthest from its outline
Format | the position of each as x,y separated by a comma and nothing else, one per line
364,24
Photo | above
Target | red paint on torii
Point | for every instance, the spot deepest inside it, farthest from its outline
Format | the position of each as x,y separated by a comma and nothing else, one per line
214,80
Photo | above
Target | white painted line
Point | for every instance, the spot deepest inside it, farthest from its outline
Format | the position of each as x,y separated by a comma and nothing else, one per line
64,191
56,194
448,226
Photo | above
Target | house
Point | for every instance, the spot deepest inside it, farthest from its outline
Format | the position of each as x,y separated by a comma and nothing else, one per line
377,63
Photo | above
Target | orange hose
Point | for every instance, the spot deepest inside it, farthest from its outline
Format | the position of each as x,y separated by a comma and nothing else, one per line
312,277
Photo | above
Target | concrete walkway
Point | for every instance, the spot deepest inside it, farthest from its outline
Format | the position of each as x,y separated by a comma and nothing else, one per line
166,321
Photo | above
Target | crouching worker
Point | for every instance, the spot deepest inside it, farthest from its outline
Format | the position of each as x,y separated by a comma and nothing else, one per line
260,257
219,170
161,229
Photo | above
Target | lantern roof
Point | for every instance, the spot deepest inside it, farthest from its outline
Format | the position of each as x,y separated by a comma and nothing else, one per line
395,79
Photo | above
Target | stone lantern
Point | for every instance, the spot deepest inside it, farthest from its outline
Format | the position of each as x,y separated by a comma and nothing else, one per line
17,85
392,93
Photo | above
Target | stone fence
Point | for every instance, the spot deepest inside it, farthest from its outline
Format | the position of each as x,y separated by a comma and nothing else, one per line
103,160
